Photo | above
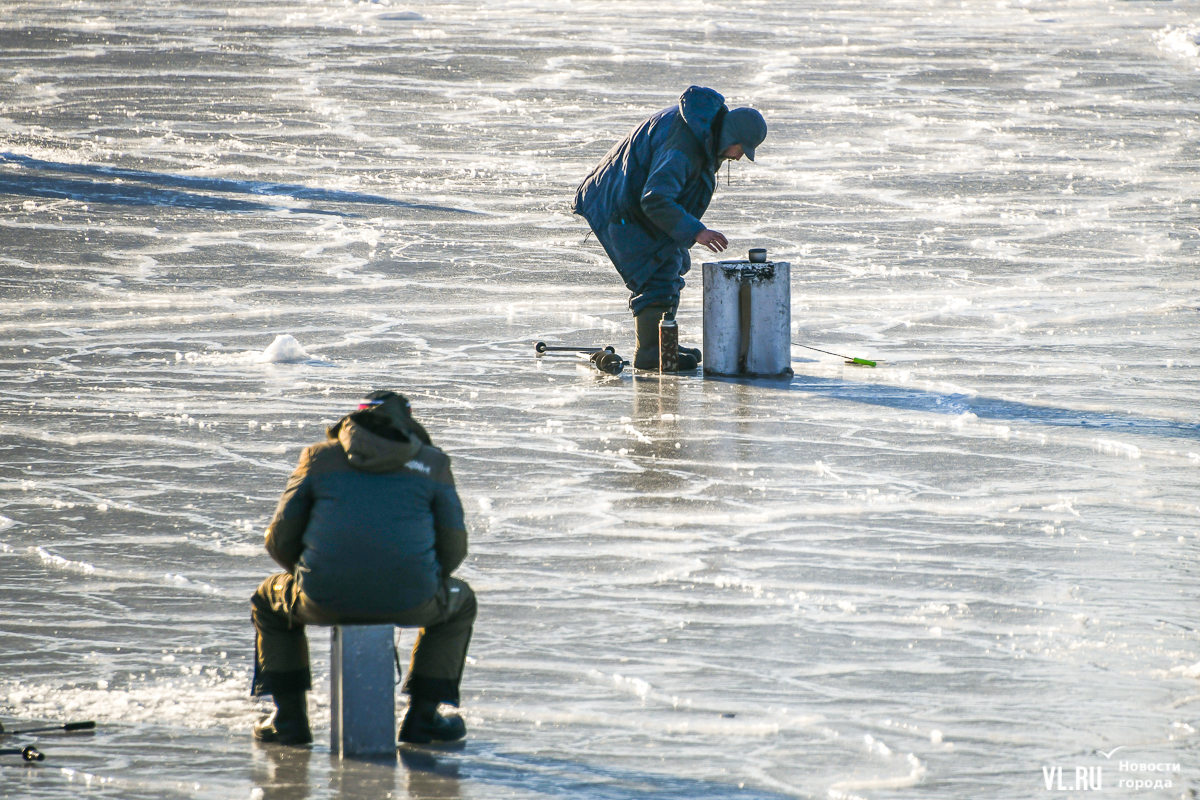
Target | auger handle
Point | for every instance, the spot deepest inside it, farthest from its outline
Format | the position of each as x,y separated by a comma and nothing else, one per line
542,347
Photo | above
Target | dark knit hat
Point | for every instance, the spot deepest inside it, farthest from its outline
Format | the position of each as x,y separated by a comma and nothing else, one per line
388,404
387,414
743,126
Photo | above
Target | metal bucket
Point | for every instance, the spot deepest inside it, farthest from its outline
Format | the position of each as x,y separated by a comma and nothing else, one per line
748,318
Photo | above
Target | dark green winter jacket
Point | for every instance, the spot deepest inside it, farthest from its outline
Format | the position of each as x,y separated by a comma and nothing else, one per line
370,525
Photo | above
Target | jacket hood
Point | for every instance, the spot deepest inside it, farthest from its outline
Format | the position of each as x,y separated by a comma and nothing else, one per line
700,107
382,425
370,452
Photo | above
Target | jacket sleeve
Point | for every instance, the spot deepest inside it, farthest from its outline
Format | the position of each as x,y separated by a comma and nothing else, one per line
285,534
664,185
449,525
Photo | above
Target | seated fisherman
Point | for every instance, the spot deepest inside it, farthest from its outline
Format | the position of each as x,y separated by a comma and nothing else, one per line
368,531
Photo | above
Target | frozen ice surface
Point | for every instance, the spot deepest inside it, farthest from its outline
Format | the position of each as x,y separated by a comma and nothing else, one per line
935,579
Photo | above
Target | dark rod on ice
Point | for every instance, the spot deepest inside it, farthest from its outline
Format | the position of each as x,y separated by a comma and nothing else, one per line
70,726
29,753
849,359
542,347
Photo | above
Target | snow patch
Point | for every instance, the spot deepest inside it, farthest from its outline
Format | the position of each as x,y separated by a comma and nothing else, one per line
1186,672
1179,42
285,348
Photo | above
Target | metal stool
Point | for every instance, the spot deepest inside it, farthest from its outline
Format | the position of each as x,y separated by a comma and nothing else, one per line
362,689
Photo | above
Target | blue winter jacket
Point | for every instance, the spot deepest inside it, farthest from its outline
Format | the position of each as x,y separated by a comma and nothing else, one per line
645,198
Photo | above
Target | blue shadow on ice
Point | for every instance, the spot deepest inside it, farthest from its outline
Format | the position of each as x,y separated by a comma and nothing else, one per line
124,194
17,183
985,407
991,408
571,779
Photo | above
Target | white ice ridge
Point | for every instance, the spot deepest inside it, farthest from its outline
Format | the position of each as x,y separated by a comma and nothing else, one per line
1112,447
659,724
838,790
193,697
698,723
54,561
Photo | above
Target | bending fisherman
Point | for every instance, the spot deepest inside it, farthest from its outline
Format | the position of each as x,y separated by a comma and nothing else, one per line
645,199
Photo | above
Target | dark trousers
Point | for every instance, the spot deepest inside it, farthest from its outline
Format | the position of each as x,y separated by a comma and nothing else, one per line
653,273
664,285
280,611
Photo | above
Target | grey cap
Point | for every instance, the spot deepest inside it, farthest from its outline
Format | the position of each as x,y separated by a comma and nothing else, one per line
744,126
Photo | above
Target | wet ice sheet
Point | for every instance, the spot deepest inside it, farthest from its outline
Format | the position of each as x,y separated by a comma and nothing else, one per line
935,578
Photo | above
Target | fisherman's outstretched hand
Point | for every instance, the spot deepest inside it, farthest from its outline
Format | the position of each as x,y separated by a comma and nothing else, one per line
713,240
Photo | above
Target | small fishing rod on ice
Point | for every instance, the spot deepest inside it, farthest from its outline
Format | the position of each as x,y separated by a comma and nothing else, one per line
862,362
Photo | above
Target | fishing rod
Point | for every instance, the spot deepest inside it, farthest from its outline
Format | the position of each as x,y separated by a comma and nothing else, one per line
70,726
849,359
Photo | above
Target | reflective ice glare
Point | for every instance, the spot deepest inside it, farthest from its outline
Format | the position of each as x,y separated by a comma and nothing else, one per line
223,223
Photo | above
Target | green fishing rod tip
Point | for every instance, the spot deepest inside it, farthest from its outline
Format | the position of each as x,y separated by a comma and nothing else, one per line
861,361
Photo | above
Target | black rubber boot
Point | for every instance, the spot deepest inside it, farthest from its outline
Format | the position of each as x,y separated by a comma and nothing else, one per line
687,362
288,724
646,329
424,725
